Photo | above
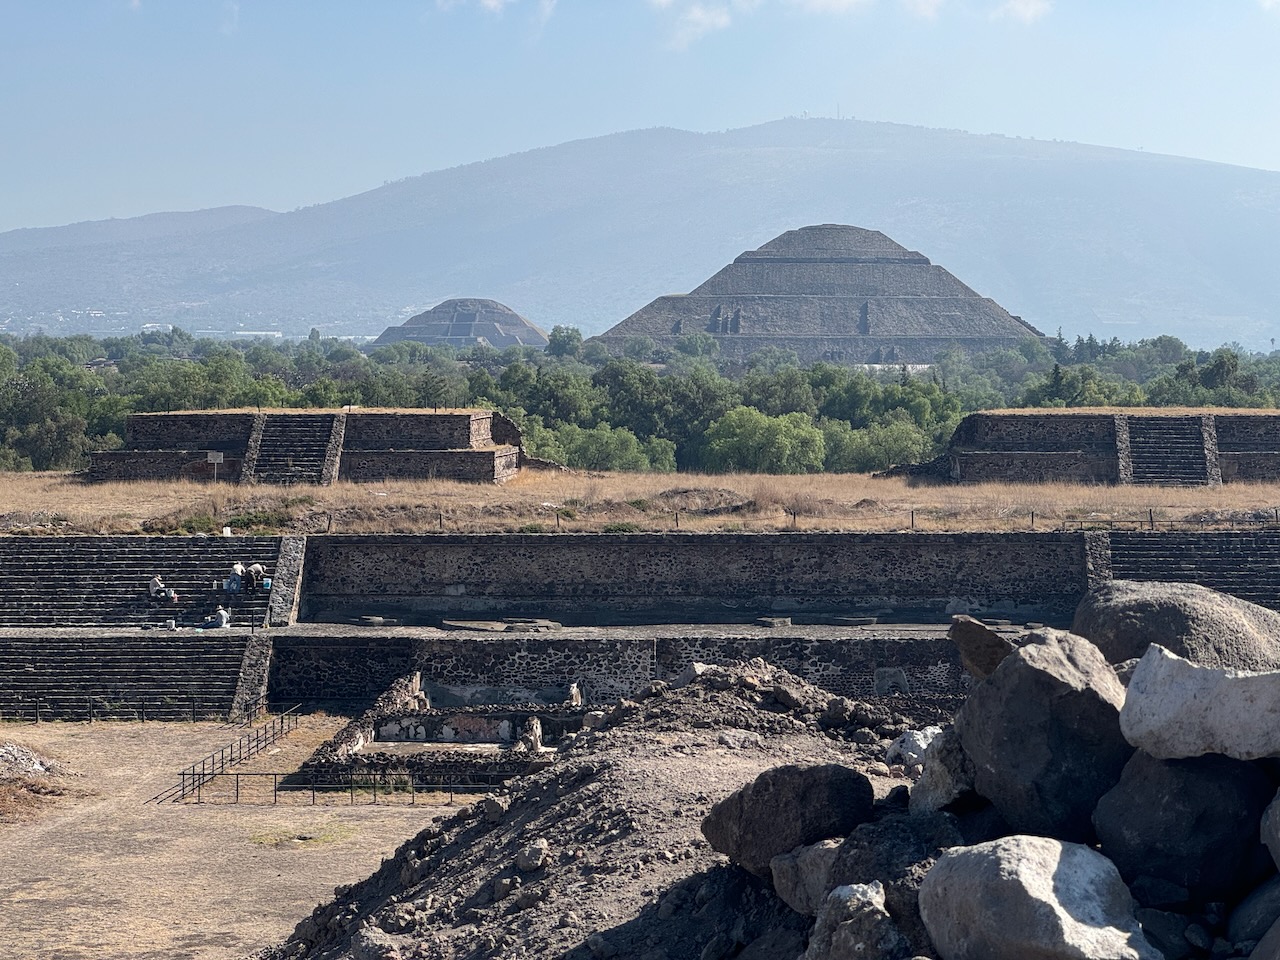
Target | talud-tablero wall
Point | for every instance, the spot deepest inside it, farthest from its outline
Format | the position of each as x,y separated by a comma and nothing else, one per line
467,669
693,577
1154,446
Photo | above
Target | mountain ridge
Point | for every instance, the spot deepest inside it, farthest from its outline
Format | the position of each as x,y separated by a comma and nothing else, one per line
1090,239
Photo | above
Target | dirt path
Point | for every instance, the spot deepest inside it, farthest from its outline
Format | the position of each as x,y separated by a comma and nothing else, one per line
99,875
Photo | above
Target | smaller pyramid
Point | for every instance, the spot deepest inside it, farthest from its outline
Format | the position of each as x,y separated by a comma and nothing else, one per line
467,323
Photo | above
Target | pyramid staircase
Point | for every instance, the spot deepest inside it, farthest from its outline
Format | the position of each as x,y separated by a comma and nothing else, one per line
1245,565
1168,450
187,675
294,448
102,581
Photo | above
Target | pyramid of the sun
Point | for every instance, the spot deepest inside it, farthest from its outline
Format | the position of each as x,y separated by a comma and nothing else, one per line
830,292
467,323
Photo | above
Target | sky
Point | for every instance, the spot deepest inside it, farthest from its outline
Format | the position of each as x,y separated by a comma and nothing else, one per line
117,108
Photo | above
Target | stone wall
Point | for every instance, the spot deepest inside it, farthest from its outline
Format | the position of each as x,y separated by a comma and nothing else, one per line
528,669
228,432
1097,448
418,431
493,464
362,446
665,577
1046,432
345,670
1068,466
853,667
110,465
1256,465
1248,446
475,725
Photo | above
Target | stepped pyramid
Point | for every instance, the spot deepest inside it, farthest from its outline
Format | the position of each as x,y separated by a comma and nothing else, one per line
467,323
836,293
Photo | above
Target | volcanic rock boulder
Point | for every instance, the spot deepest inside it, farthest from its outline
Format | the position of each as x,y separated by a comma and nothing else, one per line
981,648
853,922
1175,709
897,850
1124,617
1043,732
1193,823
801,877
1271,828
948,774
1030,897
1268,947
785,808
1255,913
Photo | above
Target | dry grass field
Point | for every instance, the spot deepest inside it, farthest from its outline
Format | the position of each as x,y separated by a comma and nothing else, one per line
94,873
545,501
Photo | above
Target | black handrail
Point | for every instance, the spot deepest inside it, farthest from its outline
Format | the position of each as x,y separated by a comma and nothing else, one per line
252,743
317,785
251,712
97,707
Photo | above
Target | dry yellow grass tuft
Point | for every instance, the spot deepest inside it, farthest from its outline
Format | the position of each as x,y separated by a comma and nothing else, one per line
538,501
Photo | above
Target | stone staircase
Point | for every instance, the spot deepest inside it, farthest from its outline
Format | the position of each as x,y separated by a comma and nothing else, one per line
102,581
294,448
154,676
1168,450
1245,565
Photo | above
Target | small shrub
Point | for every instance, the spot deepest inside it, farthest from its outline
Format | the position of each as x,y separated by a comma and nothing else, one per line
199,523
567,513
531,528
278,517
641,504
621,527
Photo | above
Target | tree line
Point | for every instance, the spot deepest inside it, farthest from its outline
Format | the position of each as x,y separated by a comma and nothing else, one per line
680,409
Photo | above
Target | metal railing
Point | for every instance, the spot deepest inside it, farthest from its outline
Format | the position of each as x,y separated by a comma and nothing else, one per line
93,708
255,741
1151,522
320,790
251,712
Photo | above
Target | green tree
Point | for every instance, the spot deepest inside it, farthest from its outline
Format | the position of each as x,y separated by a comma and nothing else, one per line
745,439
564,341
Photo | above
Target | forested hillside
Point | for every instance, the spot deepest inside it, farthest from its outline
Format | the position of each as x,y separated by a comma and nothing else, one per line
1083,238
61,398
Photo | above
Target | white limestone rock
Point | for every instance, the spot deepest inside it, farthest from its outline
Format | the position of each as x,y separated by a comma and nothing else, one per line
1021,897
853,922
909,749
1175,709
948,775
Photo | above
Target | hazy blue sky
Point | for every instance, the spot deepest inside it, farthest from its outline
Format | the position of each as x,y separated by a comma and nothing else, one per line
122,107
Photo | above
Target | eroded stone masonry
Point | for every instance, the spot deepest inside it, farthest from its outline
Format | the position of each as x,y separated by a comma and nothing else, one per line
314,447
1167,446
346,615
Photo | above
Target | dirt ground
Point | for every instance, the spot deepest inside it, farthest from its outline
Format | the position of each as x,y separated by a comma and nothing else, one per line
628,873
96,874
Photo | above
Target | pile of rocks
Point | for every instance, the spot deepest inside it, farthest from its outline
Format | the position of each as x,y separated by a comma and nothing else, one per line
1084,804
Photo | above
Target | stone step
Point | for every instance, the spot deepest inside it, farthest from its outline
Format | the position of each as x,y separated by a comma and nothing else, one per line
75,677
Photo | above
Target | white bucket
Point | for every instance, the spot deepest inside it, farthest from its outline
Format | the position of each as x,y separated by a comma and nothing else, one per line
226,531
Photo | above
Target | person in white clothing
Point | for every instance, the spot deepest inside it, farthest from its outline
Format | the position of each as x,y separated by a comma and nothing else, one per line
159,593
220,618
